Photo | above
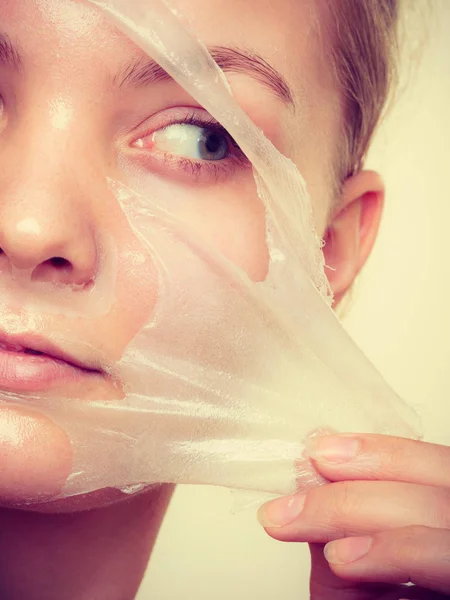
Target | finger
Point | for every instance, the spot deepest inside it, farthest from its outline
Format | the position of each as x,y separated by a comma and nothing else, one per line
420,555
361,456
349,508
325,584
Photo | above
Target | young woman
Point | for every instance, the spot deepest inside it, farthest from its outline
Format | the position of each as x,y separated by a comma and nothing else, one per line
314,75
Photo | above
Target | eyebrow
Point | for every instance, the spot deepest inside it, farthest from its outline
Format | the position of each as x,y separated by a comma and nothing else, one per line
143,72
9,54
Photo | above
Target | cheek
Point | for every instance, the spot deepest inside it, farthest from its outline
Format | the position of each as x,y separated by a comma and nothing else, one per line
136,294
317,172
231,220
228,218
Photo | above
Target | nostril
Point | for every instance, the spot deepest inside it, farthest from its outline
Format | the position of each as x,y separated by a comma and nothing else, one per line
57,270
59,263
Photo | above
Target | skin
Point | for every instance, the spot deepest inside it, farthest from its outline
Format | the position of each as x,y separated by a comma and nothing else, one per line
383,522
64,130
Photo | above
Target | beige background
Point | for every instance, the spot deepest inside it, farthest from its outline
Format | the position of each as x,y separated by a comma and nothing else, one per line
400,317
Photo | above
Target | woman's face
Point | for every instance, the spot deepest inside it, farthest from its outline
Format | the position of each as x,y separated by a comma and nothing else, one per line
80,104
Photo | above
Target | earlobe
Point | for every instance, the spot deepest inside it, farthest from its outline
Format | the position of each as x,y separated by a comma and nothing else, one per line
352,230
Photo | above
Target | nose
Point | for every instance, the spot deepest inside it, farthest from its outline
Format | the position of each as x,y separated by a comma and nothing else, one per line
46,227
51,246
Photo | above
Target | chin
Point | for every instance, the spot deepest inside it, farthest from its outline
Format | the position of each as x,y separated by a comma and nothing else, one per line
37,459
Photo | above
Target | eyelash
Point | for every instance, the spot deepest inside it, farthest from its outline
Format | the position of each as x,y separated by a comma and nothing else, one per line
209,171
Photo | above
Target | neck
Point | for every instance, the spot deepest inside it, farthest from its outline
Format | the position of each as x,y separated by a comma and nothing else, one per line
100,553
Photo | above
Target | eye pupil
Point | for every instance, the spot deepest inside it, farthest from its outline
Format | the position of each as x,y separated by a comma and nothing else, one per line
213,143
213,146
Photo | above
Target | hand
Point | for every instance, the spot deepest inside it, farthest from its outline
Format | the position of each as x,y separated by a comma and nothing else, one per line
385,518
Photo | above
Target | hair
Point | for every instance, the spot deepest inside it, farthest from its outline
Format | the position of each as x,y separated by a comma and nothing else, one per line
364,57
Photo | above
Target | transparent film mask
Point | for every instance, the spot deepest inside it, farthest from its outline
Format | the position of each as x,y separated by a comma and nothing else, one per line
241,358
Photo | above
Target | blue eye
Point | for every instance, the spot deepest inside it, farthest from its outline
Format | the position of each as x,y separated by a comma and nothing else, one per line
191,141
213,145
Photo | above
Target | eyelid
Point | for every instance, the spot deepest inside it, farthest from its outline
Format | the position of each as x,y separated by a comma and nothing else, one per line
171,116
189,115
213,126
198,171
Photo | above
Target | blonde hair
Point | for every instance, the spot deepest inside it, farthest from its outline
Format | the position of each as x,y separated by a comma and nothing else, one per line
364,56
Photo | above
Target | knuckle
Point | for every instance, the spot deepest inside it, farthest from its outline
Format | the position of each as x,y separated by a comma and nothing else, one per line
417,549
329,507
344,501
412,533
393,459
408,549
440,514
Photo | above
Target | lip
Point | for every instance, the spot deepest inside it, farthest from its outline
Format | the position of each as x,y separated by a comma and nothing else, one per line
29,363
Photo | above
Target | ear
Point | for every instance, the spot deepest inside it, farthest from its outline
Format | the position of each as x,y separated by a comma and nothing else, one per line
352,230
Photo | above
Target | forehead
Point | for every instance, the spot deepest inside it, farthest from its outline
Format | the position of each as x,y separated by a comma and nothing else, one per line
71,31
285,32
75,49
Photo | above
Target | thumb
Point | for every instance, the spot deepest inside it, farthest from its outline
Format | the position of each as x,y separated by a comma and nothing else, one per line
324,584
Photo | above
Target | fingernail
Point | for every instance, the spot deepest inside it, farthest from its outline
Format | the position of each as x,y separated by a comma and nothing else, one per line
347,550
333,448
282,511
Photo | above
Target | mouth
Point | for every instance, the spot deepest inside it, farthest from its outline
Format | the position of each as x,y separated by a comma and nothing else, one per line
31,363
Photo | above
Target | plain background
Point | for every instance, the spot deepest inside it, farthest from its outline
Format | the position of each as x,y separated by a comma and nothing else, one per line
399,317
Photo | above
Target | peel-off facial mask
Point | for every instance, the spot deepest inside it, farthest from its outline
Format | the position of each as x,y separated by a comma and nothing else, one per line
241,359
